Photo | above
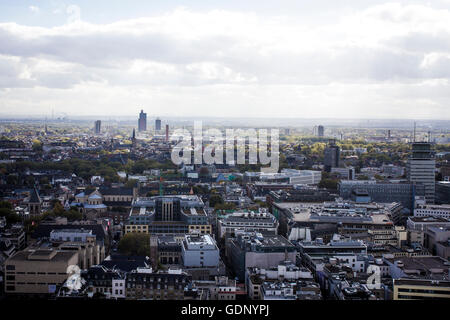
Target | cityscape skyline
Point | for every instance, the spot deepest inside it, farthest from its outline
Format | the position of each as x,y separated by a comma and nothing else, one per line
224,155
361,59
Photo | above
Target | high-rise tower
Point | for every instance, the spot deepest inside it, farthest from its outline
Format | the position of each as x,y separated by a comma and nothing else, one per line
420,168
158,124
331,156
142,122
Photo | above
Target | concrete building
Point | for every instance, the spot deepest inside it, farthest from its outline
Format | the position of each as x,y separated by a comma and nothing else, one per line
331,156
158,125
403,193
421,289
420,169
247,221
168,215
38,272
286,274
199,251
257,250
347,217
442,192
320,131
347,173
439,211
437,241
142,122
98,125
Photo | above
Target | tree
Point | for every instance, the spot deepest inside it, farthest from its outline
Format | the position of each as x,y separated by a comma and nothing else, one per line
131,183
37,145
135,244
12,179
225,206
214,200
328,184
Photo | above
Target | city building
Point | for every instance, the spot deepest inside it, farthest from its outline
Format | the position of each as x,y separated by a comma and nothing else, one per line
168,215
442,192
320,131
142,122
421,166
145,284
38,272
257,250
384,192
331,156
247,221
265,284
199,251
98,124
440,211
437,241
158,125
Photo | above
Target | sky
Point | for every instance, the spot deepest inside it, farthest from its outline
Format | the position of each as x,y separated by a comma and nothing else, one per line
210,58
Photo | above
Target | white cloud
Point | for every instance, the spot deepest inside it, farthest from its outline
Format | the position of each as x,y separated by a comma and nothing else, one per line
369,62
34,9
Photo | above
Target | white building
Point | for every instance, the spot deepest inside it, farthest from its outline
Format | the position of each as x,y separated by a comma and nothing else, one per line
118,289
440,211
199,251
248,221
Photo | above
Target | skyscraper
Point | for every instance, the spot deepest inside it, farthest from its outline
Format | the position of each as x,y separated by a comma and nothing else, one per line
158,124
98,125
331,156
142,123
320,131
167,132
420,168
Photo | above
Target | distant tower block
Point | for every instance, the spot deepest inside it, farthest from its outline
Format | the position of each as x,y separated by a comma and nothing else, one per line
142,122
320,131
158,124
98,127
167,132
420,168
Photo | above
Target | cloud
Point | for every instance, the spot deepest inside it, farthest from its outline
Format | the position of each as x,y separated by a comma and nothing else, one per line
387,46
34,9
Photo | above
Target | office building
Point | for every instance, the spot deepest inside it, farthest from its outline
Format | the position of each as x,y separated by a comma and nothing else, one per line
168,214
437,241
331,156
142,122
420,168
39,272
247,221
251,249
439,211
199,251
320,131
158,124
442,195
98,125
385,192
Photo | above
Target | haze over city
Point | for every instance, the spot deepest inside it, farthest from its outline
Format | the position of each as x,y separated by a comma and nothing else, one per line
284,59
